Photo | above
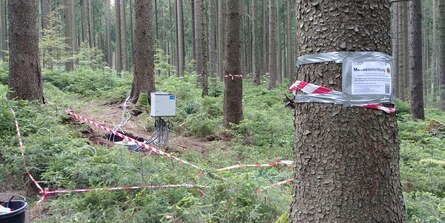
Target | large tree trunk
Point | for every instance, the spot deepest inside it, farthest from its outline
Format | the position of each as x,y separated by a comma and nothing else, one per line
179,39
346,159
415,62
233,83
70,32
143,82
117,22
25,80
272,45
442,54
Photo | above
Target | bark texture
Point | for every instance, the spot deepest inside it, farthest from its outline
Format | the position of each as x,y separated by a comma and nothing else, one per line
346,159
442,54
2,39
415,62
204,53
272,44
124,36
143,82
70,32
179,39
25,79
117,23
233,87
108,54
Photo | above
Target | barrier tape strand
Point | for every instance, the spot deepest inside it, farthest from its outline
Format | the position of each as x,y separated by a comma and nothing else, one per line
280,162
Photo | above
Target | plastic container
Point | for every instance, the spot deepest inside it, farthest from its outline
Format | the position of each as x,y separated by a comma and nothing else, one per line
18,213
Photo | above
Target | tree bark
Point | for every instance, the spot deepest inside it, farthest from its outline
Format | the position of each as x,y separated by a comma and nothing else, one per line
179,39
395,45
192,5
346,159
109,52
415,62
143,82
84,17
233,83
46,8
198,43
272,45
290,64
435,53
25,79
2,39
406,46
402,37
255,72
203,40
124,36
220,39
70,32
118,23
442,54
91,33
211,27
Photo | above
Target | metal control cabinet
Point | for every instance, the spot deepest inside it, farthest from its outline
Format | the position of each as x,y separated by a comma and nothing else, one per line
163,104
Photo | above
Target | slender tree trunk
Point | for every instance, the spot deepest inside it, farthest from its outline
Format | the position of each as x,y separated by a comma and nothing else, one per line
118,29
124,36
109,52
425,64
395,44
131,62
290,65
198,43
143,82
406,45
346,159
417,110
179,39
25,79
402,37
84,17
272,45
265,40
255,72
156,20
233,83
220,39
203,40
70,32
2,39
46,8
91,33
211,27
442,54
434,53
192,5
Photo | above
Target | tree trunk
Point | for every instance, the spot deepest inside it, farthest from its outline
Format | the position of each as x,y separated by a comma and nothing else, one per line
179,39
401,35
25,79
118,29
346,159
46,8
2,39
203,40
406,46
143,82
289,58
395,44
220,39
415,62
70,32
272,45
435,53
198,43
255,72
211,27
91,33
4,26
265,40
442,54
233,82
124,36
84,17
192,5
109,52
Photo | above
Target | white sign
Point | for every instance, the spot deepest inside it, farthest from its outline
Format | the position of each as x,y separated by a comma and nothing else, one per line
371,78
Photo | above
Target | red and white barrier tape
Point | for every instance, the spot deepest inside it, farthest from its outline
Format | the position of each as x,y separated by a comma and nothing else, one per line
46,193
281,162
309,88
290,180
22,151
233,76
131,139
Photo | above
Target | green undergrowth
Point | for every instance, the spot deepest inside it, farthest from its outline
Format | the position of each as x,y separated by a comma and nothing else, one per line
60,157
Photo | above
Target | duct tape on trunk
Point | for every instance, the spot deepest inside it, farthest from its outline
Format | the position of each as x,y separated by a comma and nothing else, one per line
367,78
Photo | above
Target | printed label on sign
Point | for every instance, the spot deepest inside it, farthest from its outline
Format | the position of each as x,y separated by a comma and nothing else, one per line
371,78
172,97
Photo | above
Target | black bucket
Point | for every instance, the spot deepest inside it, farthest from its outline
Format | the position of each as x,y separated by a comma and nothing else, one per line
18,210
